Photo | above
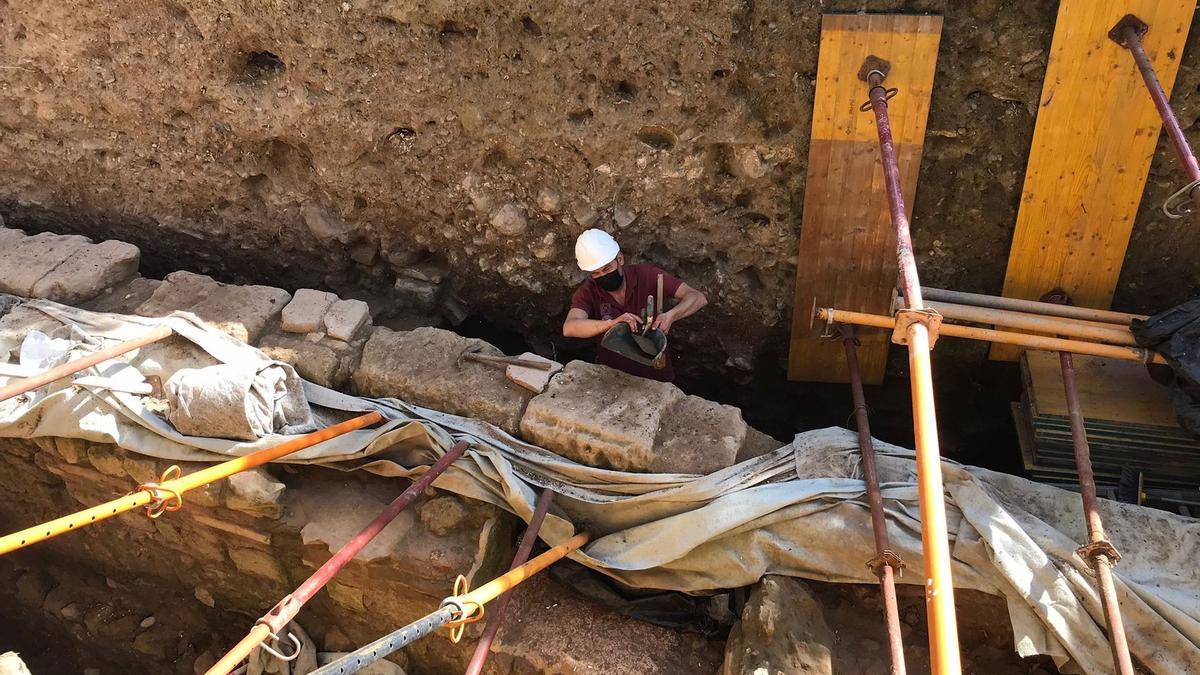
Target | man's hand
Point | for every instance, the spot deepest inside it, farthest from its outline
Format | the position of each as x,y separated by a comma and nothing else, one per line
664,321
633,320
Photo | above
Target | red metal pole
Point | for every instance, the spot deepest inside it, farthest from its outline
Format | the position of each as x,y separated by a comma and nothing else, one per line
939,584
495,618
886,562
279,616
1128,33
1099,551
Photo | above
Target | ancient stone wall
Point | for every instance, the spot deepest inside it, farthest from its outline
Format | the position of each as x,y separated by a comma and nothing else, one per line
449,152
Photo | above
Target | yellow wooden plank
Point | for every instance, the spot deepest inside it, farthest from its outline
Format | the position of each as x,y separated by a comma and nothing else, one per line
847,252
1109,390
1092,146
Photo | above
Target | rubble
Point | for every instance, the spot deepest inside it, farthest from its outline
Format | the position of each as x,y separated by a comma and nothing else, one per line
782,630
345,318
306,312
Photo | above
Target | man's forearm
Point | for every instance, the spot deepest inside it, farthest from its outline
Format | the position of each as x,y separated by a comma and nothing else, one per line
585,328
689,304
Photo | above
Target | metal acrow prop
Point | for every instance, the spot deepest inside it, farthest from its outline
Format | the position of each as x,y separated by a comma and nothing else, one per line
167,495
456,611
272,624
916,326
495,618
886,564
1128,33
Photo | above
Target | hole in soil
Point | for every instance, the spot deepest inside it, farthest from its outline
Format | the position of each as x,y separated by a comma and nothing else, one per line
580,117
625,90
659,138
260,67
530,26
451,30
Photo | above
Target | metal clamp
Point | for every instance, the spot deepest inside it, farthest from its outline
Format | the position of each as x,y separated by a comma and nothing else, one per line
888,94
887,558
465,612
1104,547
930,318
173,499
1179,204
291,657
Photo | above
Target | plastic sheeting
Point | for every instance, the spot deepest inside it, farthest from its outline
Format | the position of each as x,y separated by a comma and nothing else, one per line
1175,333
798,511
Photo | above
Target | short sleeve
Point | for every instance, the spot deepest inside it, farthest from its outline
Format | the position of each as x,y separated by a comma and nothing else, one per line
582,299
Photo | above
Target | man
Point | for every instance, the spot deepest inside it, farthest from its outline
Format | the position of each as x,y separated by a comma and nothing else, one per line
617,293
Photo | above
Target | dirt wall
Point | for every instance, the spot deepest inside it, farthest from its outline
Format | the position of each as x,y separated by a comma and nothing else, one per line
342,145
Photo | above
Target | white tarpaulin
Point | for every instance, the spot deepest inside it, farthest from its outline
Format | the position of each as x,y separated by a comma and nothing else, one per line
798,511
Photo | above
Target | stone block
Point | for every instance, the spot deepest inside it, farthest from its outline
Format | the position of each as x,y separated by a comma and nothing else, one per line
532,379
106,460
87,272
125,297
304,314
698,436
254,492
346,318
256,562
415,294
757,443
421,367
325,361
782,630
25,260
242,312
600,416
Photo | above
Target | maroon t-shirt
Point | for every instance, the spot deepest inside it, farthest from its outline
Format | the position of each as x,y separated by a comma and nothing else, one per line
641,281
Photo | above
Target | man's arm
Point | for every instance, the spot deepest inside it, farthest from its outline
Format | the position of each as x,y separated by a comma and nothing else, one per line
690,302
578,325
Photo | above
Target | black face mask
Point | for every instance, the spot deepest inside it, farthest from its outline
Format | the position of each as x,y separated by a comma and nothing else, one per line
611,281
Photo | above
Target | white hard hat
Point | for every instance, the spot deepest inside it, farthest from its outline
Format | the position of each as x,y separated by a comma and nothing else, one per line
595,249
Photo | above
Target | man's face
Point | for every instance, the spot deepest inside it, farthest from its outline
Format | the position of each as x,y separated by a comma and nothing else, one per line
617,262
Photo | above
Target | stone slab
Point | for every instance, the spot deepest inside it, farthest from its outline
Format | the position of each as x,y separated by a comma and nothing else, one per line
531,378
240,311
757,444
87,272
698,436
420,366
25,260
782,630
345,318
125,297
306,312
323,360
600,416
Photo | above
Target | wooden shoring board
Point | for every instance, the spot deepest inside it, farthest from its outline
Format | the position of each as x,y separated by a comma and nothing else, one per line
847,255
1092,146
1110,390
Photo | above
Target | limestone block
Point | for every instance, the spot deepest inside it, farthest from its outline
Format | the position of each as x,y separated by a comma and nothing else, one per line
258,563
698,436
125,297
25,260
88,272
600,416
304,314
444,514
240,311
345,318
531,378
757,443
420,366
415,294
782,630
254,492
106,461
325,361
140,468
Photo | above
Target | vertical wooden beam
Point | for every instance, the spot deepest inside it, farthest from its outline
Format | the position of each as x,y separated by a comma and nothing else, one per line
847,256
1092,147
